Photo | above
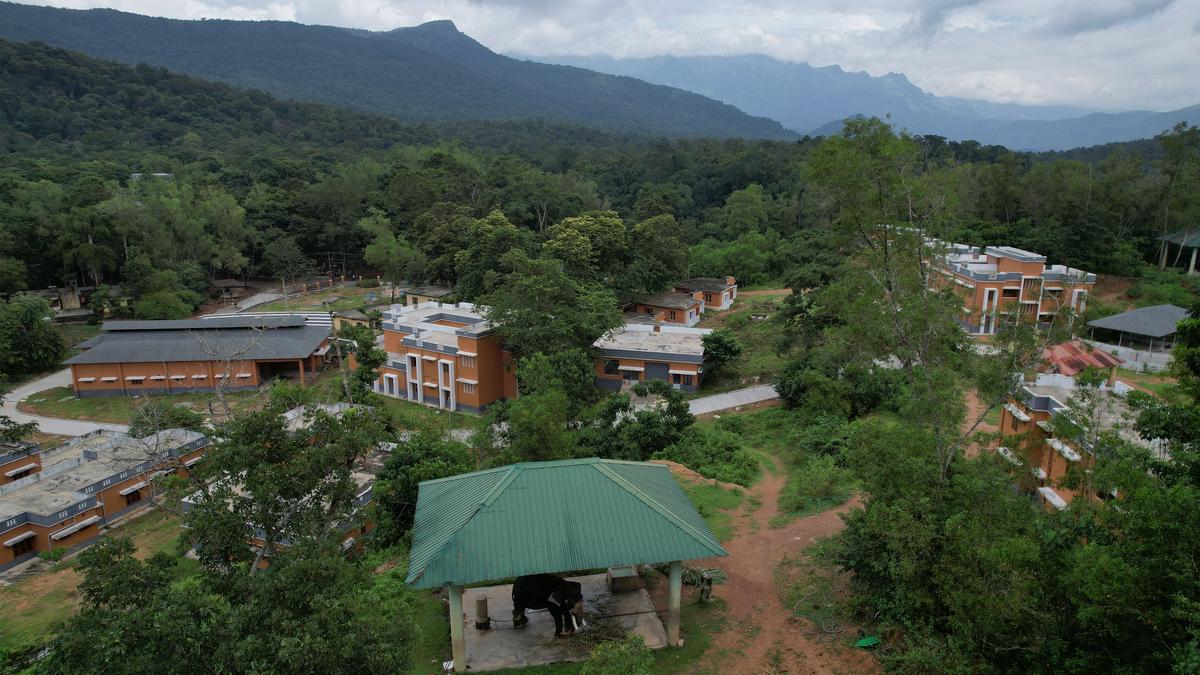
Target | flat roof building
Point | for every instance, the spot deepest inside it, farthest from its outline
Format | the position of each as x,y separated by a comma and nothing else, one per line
638,352
1000,280
444,355
421,294
85,484
149,357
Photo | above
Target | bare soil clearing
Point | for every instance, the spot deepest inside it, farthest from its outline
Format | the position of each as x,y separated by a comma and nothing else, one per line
761,635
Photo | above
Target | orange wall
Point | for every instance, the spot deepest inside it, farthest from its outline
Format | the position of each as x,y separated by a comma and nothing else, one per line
491,369
166,369
32,458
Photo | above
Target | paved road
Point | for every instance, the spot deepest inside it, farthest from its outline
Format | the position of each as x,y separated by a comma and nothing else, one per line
732,399
50,425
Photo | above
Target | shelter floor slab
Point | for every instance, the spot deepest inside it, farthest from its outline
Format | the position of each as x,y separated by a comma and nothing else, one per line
535,645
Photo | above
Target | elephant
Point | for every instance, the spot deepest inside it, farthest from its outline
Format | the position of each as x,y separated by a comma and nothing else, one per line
563,599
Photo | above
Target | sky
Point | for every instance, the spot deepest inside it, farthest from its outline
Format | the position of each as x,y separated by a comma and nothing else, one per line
1102,54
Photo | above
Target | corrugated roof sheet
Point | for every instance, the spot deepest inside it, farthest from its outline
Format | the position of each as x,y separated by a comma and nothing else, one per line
208,340
709,284
1157,321
1186,238
1072,358
540,517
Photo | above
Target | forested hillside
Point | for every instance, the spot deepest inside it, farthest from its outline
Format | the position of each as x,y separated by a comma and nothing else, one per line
258,181
426,73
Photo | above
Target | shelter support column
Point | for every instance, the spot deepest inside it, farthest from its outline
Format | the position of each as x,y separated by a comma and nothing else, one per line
675,591
458,647
1192,264
300,362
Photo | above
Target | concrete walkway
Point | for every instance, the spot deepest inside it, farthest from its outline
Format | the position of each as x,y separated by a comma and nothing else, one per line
51,425
732,399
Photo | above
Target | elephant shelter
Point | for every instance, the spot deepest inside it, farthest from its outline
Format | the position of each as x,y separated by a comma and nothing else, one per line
552,517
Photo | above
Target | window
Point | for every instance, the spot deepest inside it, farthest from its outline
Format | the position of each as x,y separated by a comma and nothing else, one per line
611,367
468,388
1011,293
680,378
466,361
22,547
671,315
631,375
708,298
133,498
648,310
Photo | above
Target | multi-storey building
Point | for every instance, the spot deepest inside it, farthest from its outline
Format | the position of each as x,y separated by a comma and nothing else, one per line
1001,280
680,309
714,293
150,357
444,355
639,352
68,493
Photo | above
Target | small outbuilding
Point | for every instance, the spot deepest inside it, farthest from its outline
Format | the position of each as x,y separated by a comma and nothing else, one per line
540,517
1150,328
1184,240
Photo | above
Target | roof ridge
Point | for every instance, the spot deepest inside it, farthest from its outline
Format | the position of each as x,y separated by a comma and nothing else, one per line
663,511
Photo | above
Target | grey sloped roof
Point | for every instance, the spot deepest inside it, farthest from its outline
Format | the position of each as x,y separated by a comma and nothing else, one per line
207,340
209,324
669,300
706,284
1157,321
1186,238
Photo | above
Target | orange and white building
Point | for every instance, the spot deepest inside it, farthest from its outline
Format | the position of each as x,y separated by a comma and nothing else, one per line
717,294
135,358
1002,280
445,356
65,496
640,352
680,309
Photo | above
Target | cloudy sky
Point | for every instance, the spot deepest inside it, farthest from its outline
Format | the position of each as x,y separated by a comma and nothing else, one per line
1109,54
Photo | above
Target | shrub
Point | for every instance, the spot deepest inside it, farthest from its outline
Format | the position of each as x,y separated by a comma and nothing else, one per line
716,454
367,282
818,484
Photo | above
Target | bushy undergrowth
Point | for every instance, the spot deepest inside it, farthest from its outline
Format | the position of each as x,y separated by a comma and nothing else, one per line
714,453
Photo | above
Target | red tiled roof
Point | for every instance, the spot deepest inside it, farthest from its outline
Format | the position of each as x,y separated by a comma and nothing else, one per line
1072,358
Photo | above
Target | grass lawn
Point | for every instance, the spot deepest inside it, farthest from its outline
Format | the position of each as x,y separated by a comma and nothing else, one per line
74,333
31,608
715,504
759,361
1156,383
61,402
336,299
416,417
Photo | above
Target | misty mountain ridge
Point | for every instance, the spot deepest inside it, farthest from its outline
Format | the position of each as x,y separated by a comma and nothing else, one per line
815,100
431,72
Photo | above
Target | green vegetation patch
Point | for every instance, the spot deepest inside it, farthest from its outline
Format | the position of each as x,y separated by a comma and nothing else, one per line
758,337
61,402
715,504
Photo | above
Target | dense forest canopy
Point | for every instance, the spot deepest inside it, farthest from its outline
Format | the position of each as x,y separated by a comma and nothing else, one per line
251,173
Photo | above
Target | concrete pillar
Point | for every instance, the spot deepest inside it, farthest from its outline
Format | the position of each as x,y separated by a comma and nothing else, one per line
1162,261
1192,264
458,647
301,364
675,592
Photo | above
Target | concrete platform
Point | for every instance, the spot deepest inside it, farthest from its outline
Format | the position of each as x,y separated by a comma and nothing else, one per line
535,645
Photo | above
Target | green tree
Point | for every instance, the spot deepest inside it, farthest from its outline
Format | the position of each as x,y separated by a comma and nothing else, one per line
28,341
393,256
420,457
539,308
720,349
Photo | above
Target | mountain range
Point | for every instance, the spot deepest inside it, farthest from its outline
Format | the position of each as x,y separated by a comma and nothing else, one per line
435,73
816,100
430,72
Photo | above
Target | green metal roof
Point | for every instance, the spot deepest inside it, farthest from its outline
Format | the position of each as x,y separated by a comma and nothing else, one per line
540,517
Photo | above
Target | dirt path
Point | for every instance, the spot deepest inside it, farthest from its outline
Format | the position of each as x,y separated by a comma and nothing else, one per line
768,291
761,636
974,410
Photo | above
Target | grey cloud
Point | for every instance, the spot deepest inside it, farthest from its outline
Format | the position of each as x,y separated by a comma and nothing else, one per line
1083,16
930,18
